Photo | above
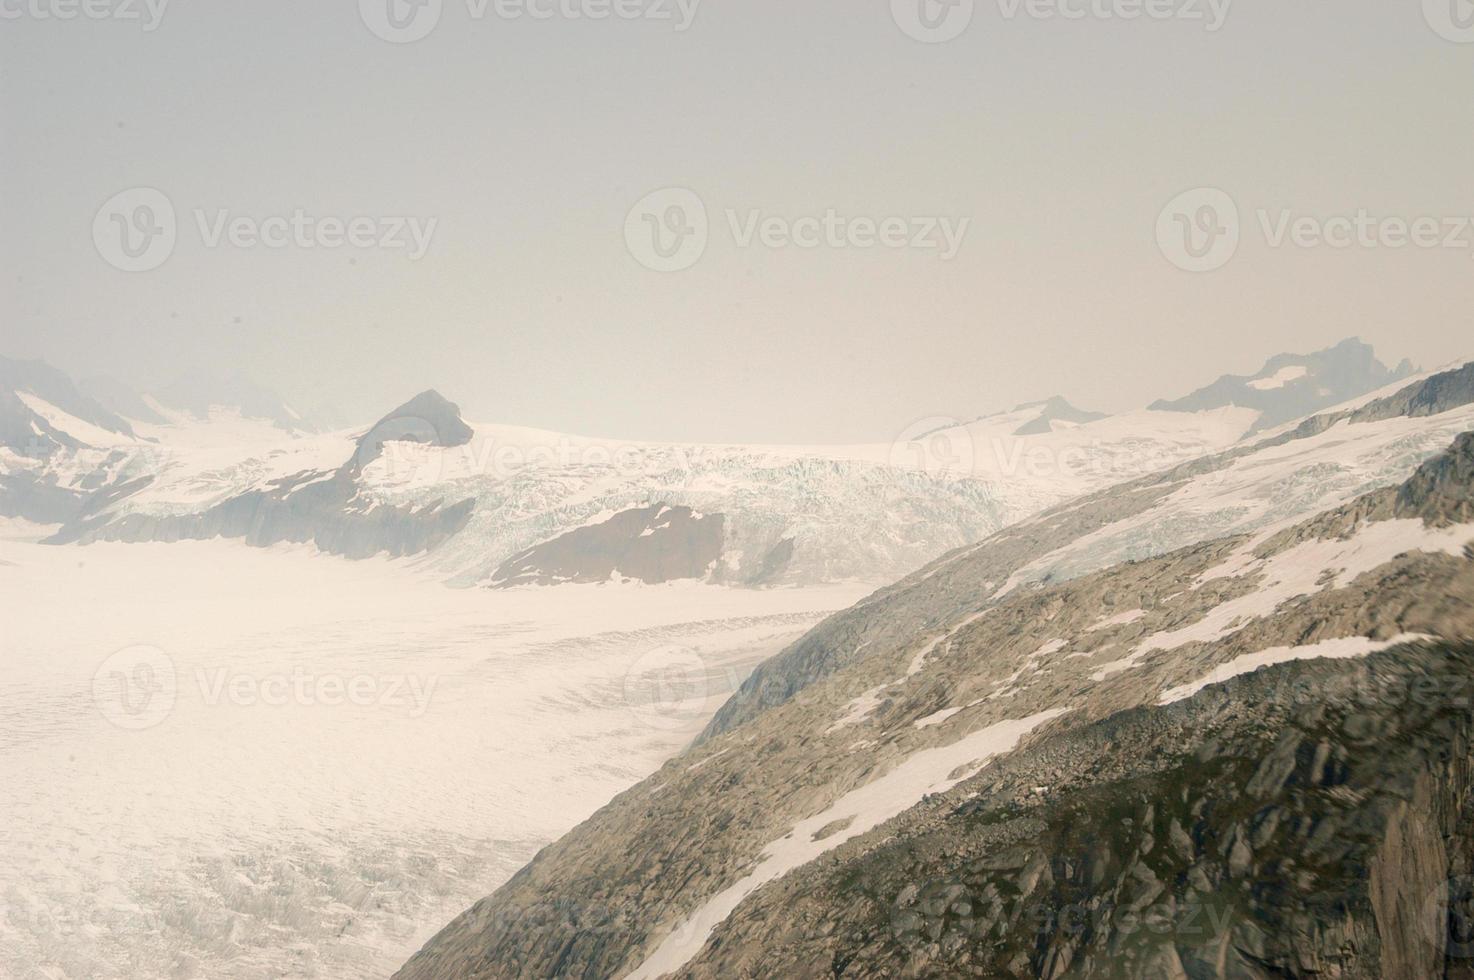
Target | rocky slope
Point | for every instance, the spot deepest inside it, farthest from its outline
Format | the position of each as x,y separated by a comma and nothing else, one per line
1311,820
1039,728
647,544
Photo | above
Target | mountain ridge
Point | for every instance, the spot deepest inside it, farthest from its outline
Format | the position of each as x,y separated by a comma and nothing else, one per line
1291,386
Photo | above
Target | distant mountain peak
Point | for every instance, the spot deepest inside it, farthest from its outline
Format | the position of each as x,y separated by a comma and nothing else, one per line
1292,386
429,418
1053,409
27,431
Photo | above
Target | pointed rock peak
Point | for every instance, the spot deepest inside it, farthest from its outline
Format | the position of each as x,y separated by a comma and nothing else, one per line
1055,409
428,418
429,403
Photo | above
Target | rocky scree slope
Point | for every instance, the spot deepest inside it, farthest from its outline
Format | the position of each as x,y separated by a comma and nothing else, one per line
648,544
1310,820
803,841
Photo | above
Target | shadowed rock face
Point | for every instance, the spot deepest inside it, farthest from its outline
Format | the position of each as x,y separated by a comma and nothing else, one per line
428,418
1293,385
33,500
651,544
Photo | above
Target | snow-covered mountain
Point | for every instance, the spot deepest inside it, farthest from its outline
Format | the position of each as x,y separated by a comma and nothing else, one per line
502,505
36,400
470,505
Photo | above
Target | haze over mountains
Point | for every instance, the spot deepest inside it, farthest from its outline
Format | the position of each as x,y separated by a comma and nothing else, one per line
498,505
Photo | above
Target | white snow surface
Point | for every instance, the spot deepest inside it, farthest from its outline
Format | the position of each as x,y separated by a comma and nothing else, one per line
1261,492
1308,567
1302,570
256,830
79,429
858,709
928,771
1342,648
1280,378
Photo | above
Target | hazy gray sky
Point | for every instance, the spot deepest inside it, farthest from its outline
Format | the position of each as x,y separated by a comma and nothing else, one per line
530,140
